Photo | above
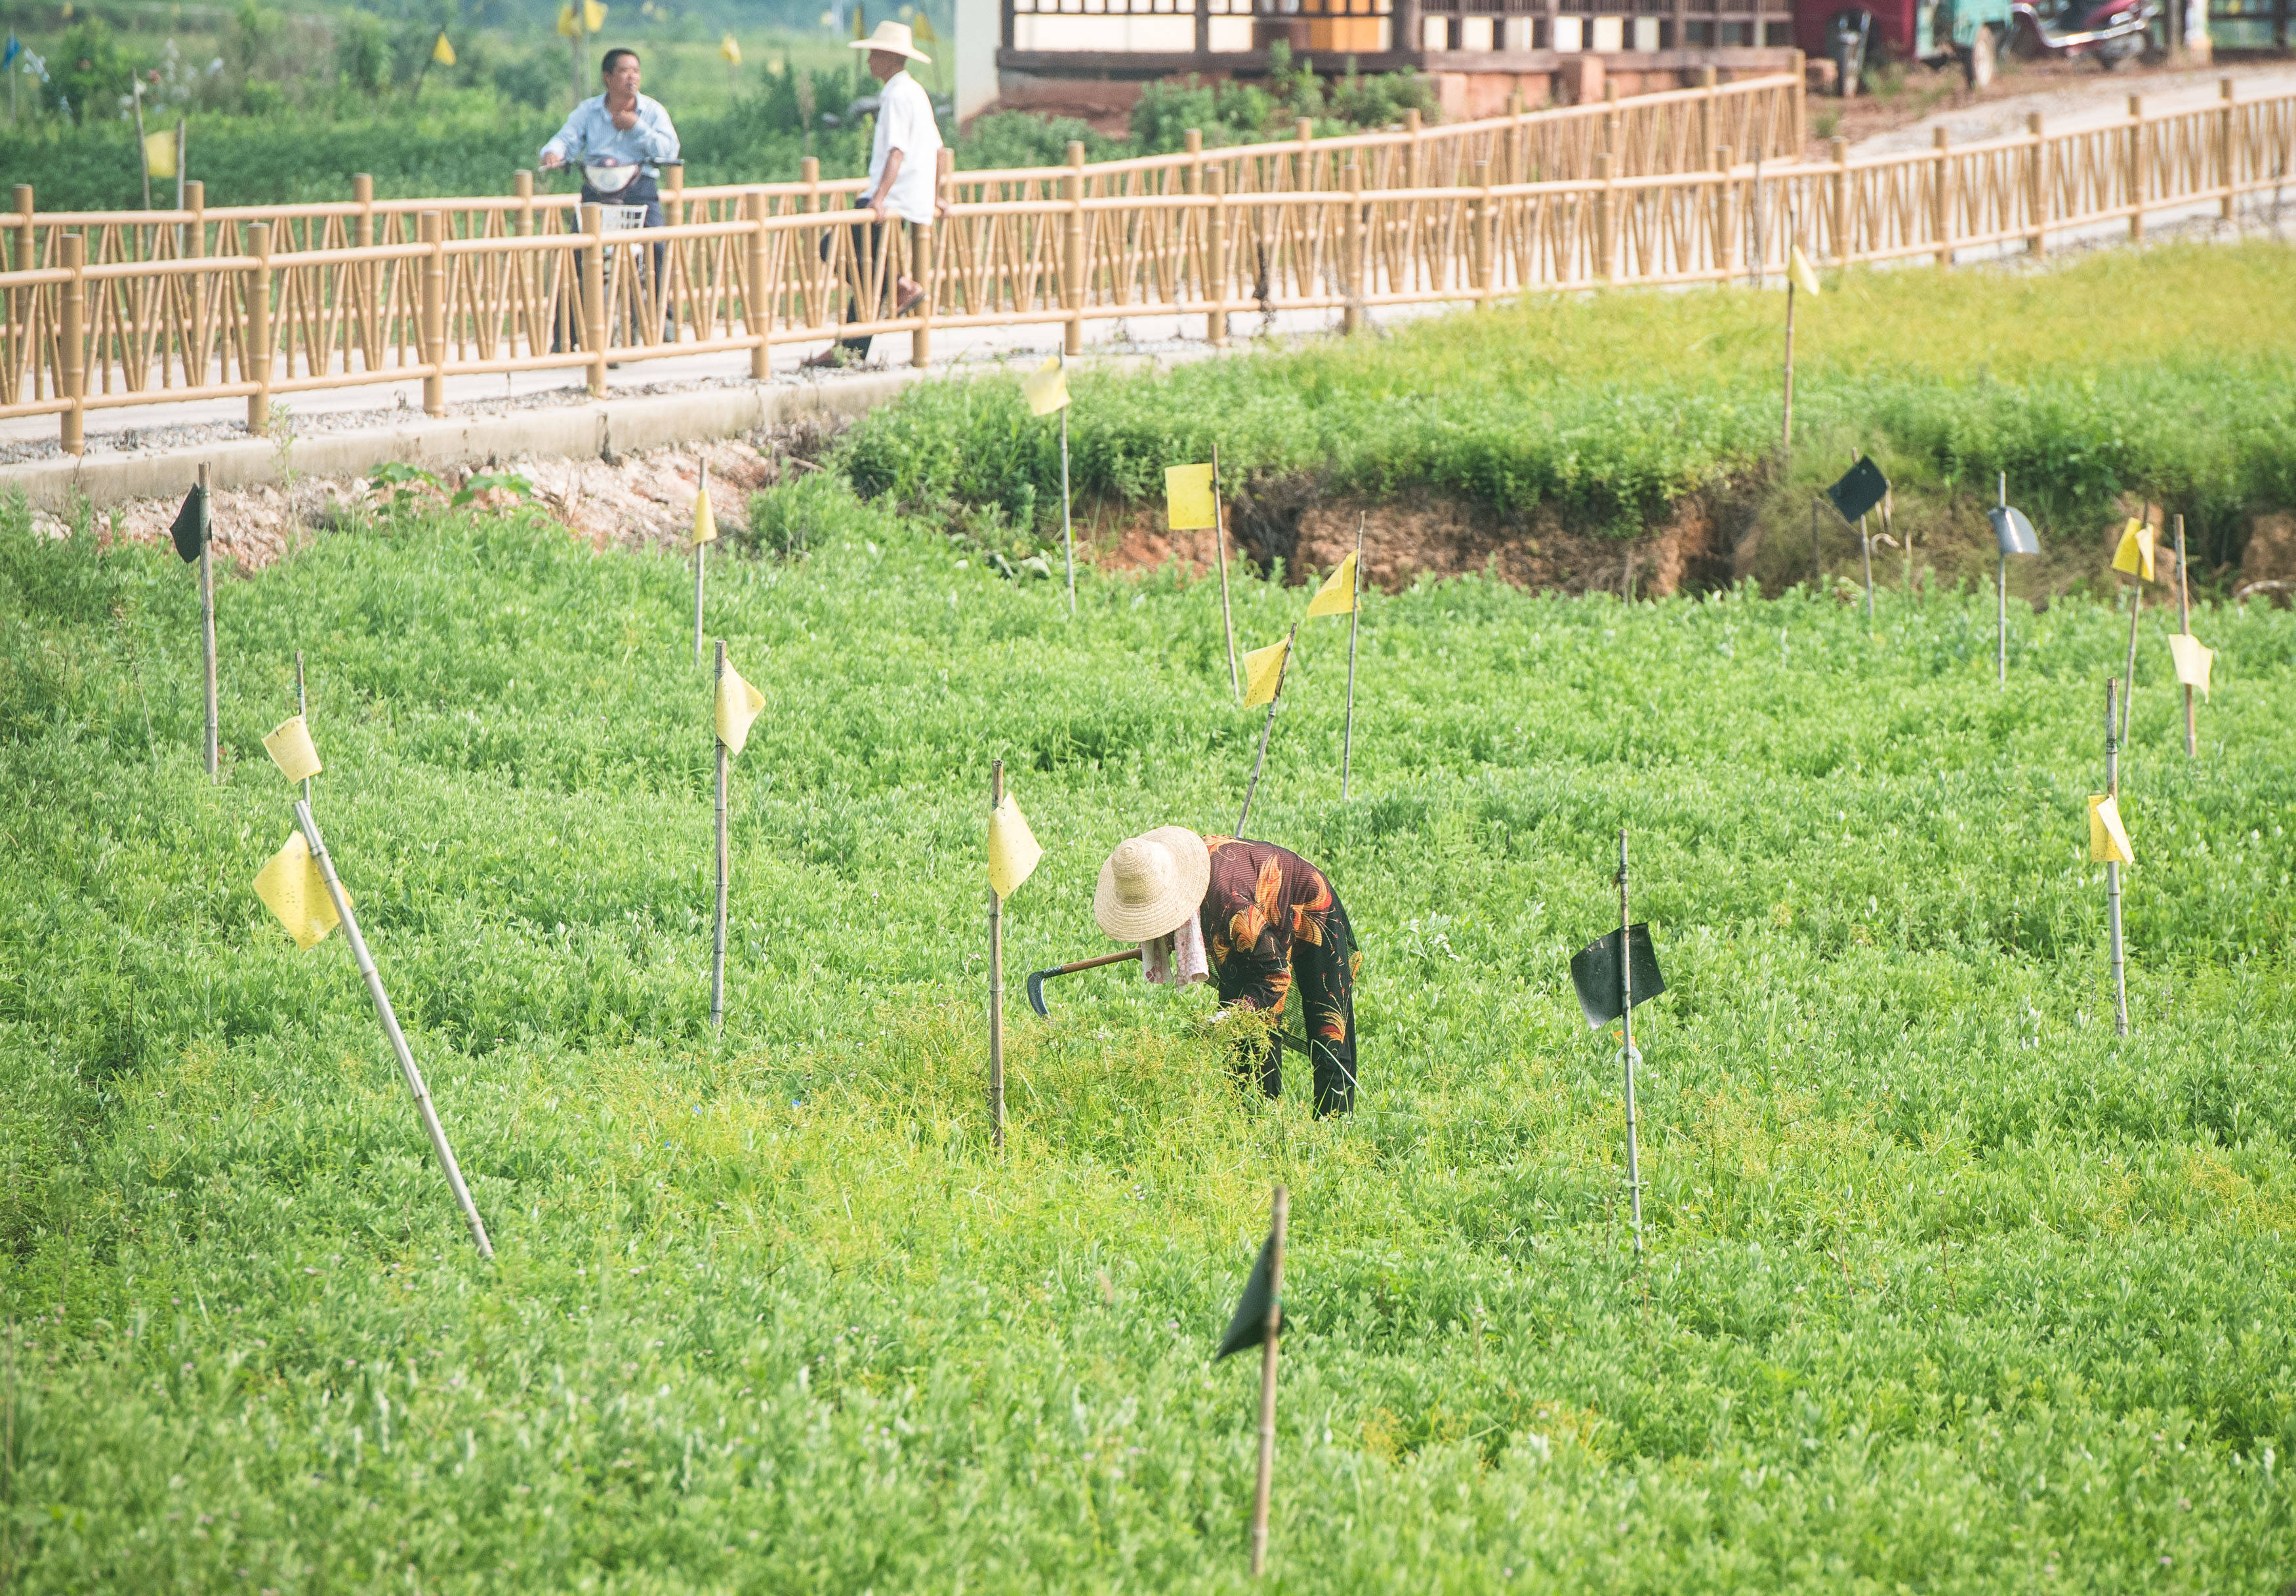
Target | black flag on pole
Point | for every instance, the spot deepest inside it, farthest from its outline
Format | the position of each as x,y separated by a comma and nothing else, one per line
1248,1327
191,528
1858,492
2013,531
1594,972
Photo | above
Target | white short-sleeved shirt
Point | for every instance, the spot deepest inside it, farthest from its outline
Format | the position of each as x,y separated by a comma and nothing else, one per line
904,122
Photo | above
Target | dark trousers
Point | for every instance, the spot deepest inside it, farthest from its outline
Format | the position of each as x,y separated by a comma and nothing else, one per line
1324,977
640,190
868,247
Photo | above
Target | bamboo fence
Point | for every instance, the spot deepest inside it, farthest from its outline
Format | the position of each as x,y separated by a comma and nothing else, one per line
106,310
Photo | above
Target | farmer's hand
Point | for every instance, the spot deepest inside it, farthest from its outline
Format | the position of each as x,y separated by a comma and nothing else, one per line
624,120
551,160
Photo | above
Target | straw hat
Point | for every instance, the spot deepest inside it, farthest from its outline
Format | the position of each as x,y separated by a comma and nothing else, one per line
1150,885
894,39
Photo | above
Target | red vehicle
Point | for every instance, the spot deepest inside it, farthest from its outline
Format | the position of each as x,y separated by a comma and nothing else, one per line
1852,34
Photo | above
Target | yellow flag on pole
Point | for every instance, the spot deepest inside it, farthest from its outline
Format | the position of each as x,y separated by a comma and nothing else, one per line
293,887
860,24
159,153
1337,595
2134,556
1805,275
705,519
567,27
922,30
443,51
593,17
292,751
730,48
1263,668
1047,388
2192,659
1012,850
1188,497
738,704
2108,840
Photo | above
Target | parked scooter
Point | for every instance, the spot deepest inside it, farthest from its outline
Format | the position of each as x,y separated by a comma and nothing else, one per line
2114,31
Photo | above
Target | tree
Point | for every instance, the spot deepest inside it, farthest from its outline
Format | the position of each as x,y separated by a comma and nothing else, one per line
89,70
362,54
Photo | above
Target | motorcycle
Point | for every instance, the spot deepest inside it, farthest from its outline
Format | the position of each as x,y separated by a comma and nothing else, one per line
2114,31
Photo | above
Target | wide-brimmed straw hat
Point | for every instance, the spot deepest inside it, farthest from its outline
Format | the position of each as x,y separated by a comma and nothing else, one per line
1150,884
895,40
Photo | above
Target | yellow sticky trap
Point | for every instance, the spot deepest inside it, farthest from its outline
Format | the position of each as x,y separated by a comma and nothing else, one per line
705,519
2192,660
1337,595
1262,669
738,704
293,887
1012,850
730,49
1805,275
443,51
2134,557
292,751
2108,840
1047,388
1188,497
159,155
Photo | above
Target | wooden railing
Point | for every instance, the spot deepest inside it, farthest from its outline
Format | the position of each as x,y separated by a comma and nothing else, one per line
394,292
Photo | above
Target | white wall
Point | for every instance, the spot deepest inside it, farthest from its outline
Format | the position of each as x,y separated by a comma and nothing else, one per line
978,25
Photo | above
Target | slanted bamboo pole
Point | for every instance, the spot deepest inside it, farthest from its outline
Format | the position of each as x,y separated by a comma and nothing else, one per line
1283,669
1264,1487
2112,876
1629,1055
207,622
1354,621
700,578
996,986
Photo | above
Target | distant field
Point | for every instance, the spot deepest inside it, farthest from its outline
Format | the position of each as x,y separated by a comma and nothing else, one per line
1947,1289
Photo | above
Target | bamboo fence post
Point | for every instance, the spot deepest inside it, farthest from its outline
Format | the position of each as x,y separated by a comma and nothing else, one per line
1725,215
1844,251
2113,877
1220,547
2185,625
1072,261
594,296
431,229
1606,254
1355,620
1271,1334
1941,197
207,624
1626,1009
1710,133
1785,425
384,1011
195,349
257,352
21,300
757,310
72,339
926,235
2136,174
1487,261
996,986
1351,251
724,861
1216,236
701,574
371,327
2227,137
2036,187
1283,669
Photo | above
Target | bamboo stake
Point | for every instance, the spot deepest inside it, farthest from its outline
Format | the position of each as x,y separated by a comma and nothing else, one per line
1067,530
1283,669
2001,614
303,708
717,953
1627,1006
1219,542
2128,678
389,1020
996,986
1816,558
2112,876
1278,1219
700,572
1866,552
2185,625
1355,620
207,619
1785,435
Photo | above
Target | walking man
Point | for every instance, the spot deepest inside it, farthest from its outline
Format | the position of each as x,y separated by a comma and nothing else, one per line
1267,920
903,181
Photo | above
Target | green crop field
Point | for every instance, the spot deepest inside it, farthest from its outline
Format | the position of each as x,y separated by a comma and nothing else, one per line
1946,1289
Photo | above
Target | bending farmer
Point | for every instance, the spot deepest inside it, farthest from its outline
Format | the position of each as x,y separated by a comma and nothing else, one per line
1266,918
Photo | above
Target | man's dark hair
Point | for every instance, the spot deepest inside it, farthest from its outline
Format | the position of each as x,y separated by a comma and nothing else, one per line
607,65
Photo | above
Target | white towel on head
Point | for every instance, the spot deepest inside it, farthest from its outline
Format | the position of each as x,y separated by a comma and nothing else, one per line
1176,960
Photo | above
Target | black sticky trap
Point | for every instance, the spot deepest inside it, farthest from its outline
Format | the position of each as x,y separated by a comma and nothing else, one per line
1594,972
2013,531
189,530
1248,1327
1858,493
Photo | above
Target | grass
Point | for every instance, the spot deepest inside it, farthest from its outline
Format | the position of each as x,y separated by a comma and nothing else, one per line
2164,371
1947,1289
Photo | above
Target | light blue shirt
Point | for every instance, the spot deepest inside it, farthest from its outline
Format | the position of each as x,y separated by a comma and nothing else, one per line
590,135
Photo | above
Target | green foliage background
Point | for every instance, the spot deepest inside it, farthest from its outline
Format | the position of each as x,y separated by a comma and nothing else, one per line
1946,1288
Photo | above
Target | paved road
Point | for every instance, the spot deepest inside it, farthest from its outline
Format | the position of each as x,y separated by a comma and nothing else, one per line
2089,97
